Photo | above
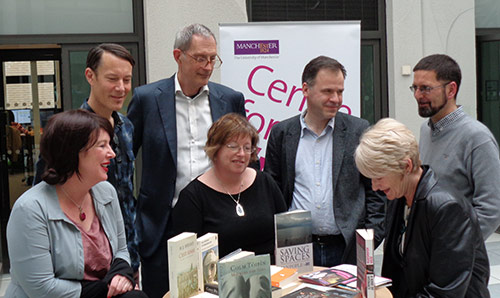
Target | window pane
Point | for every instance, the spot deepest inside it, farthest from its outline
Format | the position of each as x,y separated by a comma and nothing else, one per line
313,10
65,16
80,88
367,84
487,12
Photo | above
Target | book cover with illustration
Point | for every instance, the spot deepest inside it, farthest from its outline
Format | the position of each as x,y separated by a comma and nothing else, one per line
351,284
294,240
208,245
249,276
327,277
183,264
364,262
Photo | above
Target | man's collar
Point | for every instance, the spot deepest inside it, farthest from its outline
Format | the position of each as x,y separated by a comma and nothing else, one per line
178,89
446,120
303,124
116,118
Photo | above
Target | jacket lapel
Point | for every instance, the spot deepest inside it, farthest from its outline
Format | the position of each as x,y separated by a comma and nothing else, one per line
291,144
338,144
218,106
165,98
426,183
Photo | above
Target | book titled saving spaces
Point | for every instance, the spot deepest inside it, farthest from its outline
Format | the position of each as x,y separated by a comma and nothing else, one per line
294,240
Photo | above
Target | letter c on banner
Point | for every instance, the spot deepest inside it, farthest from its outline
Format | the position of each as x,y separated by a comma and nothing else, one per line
349,112
250,77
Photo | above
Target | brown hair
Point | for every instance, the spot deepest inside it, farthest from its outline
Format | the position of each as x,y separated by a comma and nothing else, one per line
64,137
445,67
321,62
227,127
95,54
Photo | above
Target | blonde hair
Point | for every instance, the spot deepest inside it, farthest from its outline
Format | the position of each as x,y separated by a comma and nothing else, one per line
385,148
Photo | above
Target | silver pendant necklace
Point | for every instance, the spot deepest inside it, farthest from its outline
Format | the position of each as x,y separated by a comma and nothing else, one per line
239,209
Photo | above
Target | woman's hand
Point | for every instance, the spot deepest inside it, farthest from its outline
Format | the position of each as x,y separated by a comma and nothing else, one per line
119,285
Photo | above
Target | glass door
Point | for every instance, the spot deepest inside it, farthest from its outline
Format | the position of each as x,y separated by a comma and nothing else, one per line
489,83
30,93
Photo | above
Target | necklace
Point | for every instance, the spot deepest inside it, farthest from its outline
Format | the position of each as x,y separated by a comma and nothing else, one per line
82,214
239,209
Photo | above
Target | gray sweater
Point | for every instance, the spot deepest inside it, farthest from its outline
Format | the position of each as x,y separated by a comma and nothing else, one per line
464,155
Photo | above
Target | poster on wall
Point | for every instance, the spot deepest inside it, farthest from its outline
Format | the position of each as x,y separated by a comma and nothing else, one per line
265,61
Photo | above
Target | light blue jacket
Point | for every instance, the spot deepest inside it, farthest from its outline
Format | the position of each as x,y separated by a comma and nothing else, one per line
45,247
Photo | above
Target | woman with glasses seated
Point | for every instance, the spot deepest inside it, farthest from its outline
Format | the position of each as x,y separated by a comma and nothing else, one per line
231,199
433,246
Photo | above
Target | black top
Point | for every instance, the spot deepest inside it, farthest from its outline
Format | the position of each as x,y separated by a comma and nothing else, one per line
444,253
201,209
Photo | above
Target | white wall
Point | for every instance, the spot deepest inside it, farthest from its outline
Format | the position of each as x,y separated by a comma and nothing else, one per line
164,18
417,28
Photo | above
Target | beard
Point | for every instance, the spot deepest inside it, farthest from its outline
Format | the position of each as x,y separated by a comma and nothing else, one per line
430,111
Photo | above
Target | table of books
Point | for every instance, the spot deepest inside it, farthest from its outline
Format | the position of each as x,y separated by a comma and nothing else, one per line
381,292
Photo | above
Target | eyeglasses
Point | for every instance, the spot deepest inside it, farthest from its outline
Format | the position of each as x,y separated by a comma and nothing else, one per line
425,89
248,149
203,61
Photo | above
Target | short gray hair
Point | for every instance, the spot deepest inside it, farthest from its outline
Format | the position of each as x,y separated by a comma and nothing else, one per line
384,149
185,35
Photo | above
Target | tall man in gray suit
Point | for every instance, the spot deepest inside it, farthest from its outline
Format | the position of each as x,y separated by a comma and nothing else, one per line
311,157
171,118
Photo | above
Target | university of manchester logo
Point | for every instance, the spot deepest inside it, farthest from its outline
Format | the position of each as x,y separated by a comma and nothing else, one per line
256,47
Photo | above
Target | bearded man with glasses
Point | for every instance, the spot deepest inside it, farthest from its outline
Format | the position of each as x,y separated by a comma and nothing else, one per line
171,118
461,150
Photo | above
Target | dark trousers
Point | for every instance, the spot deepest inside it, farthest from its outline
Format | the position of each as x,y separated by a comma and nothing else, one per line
328,250
154,272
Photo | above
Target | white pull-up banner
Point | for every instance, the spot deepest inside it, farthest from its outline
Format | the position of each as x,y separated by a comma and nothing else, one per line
265,61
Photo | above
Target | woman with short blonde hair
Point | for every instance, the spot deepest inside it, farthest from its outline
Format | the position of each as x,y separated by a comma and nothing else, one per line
433,245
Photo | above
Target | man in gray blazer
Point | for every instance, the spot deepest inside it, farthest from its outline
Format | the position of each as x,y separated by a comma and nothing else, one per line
311,157
171,118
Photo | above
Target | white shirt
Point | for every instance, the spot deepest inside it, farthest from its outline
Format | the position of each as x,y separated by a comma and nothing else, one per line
193,119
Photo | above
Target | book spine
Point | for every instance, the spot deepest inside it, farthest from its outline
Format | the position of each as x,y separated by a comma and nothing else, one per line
370,272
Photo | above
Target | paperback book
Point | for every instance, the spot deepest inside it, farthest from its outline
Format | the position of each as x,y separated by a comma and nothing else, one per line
249,276
294,240
351,284
308,292
364,262
281,276
183,264
208,245
327,277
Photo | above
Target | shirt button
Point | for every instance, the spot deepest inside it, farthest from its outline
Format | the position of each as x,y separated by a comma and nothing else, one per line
318,184
318,206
